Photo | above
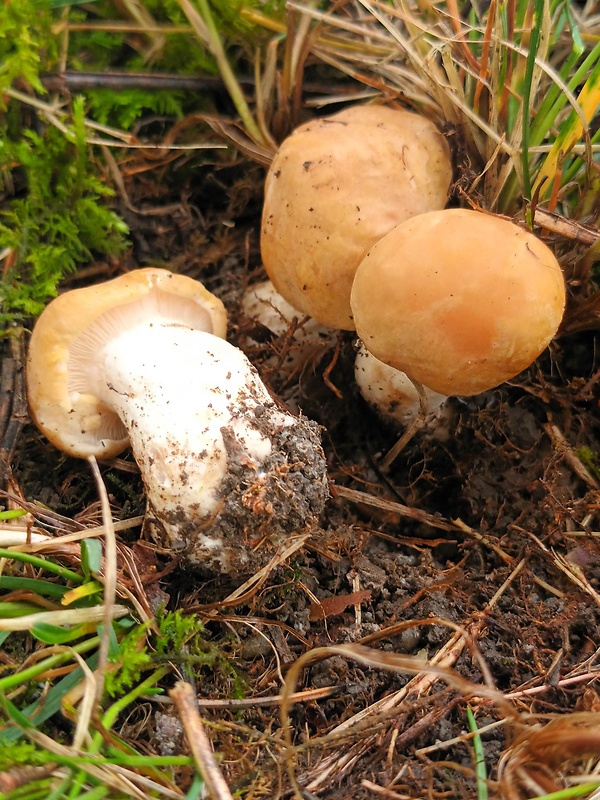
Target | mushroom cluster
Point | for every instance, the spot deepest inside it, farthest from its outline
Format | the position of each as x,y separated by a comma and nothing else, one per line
141,360
355,234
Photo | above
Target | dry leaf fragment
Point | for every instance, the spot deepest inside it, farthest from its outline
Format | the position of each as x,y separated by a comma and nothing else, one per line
331,606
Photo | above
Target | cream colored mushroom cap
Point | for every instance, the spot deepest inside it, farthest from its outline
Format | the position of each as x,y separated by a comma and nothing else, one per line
69,335
336,186
459,300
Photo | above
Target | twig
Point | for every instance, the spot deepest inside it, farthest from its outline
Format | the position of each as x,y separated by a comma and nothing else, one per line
110,577
412,430
572,571
150,81
588,676
14,779
305,696
569,228
564,448
32,540
464,737
383,791
415,514
184,698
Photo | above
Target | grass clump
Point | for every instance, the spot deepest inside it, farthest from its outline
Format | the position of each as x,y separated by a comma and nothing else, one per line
67,715
50,717
518,84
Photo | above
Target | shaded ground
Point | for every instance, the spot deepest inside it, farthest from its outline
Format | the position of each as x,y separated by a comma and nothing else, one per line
486,524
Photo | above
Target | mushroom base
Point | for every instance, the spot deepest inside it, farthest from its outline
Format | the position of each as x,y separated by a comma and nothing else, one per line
260,506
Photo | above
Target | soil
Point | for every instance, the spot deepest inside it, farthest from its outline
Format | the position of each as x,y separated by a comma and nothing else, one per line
476,552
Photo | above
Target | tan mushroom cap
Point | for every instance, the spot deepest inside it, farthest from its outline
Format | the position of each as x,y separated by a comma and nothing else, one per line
459,300
336,186
68,337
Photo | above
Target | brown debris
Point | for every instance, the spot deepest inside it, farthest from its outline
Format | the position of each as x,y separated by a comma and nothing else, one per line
332,606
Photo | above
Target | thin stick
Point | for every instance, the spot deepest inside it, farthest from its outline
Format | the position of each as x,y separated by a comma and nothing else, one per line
40,541
588,676
408,434
561,445
184,698
110,577
307,695
416,514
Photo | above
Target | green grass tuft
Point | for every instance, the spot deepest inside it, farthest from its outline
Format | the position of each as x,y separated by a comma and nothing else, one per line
56,222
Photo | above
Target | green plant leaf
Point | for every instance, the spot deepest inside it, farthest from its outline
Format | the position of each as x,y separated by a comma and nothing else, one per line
43,588
44,708
12,514
91,557
54,634
13,609
478,757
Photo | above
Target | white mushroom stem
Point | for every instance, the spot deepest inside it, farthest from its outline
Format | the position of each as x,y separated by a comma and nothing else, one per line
174,388
201,425
302,339
391,393
263,303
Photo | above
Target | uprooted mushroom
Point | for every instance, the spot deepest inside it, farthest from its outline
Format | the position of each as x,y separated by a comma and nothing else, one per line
229,474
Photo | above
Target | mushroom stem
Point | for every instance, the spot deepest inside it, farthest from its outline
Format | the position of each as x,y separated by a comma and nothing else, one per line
174,388
417,423
397,398
301,339
218,458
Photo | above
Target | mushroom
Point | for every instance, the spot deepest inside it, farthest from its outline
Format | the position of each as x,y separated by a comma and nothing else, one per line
392,394
140,360
338,184
459,300
262,303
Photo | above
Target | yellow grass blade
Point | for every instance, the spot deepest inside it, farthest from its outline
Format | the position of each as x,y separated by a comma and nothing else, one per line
570,134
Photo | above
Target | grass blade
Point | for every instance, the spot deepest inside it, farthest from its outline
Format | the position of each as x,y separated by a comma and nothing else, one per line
526,99
479,757
570,133
42,563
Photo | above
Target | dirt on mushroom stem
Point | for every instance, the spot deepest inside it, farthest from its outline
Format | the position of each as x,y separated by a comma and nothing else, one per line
258,509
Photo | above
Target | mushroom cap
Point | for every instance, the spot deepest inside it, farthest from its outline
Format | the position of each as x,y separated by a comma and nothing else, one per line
459,300
335,187
62,379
